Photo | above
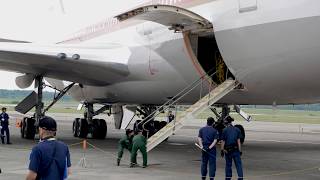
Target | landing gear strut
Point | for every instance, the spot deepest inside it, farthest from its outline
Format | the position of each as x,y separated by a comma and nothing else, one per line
88,125
221,123
29,125
152,125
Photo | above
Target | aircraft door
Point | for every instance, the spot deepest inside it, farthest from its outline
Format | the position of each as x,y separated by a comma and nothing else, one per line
247,5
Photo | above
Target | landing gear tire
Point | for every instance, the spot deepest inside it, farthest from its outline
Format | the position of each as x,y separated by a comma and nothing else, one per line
82,130
28,129
75,127
99,129
243,133
137,127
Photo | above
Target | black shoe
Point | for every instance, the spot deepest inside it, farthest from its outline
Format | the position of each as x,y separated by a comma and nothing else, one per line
9,143
132,165
118,162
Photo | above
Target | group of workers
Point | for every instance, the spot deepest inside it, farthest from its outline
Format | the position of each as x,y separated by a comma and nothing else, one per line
230,148
133,142
50,159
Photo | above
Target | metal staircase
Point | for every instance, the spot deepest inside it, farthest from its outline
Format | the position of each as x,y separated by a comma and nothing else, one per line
215,95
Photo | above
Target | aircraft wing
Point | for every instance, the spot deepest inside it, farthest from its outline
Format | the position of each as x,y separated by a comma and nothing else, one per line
97,66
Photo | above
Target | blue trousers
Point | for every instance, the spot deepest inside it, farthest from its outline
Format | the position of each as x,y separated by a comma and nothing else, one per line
5,130
237,161
208,157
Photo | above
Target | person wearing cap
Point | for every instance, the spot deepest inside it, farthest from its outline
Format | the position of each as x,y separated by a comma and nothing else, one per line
139,142
4,117
231,149
207,140
125,143
50,159
170,116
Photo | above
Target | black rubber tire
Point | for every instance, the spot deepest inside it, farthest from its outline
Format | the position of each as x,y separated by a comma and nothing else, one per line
163,124
103,129
29,128
243,133
157,125
151,130
82,128
99,129
94,129
135,125
23,128
75,127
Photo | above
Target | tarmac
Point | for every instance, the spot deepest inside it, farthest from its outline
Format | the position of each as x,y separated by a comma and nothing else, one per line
275,151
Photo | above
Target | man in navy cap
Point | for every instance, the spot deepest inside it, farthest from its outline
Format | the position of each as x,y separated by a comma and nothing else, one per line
4,117
231,149
50,159
207,139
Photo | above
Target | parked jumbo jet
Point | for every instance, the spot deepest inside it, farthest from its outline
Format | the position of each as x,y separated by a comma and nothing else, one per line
140,59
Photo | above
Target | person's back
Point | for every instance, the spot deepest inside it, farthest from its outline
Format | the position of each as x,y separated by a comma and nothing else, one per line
231,149
139,140
208,134
42,162
50,159
230,135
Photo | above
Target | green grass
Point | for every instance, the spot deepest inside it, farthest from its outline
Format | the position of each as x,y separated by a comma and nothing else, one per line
269,115
266,115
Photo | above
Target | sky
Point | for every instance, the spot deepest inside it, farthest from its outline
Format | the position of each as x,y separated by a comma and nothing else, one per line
50,21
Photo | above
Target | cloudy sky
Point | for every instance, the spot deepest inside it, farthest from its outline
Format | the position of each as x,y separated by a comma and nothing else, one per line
51,20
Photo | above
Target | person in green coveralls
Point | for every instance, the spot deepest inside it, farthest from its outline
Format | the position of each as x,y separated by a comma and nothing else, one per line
125,143
139,142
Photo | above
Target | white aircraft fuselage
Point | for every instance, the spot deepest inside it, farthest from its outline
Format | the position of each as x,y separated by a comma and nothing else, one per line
272,47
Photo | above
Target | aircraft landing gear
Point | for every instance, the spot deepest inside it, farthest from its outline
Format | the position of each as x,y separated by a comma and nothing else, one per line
221,124
28,128
87,125
152,125
29,125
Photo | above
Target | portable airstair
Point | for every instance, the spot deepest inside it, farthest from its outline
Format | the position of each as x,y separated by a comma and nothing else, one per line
215,95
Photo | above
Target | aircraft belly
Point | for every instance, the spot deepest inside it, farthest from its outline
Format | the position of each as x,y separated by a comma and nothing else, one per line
157,72
277,62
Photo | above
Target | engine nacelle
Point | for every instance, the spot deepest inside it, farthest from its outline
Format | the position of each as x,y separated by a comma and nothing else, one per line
24,81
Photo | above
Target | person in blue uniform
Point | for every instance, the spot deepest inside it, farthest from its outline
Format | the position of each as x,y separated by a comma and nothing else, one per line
231,149
50,159
207,138
4,117
170,116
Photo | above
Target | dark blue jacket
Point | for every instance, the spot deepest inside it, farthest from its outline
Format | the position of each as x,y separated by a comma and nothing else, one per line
4,118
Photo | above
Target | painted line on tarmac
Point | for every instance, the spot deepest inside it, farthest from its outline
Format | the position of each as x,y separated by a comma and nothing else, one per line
280,141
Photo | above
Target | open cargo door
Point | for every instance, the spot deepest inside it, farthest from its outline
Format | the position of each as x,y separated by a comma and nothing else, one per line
176,18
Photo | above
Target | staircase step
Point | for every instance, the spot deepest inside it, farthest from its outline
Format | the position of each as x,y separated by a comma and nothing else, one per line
211,98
